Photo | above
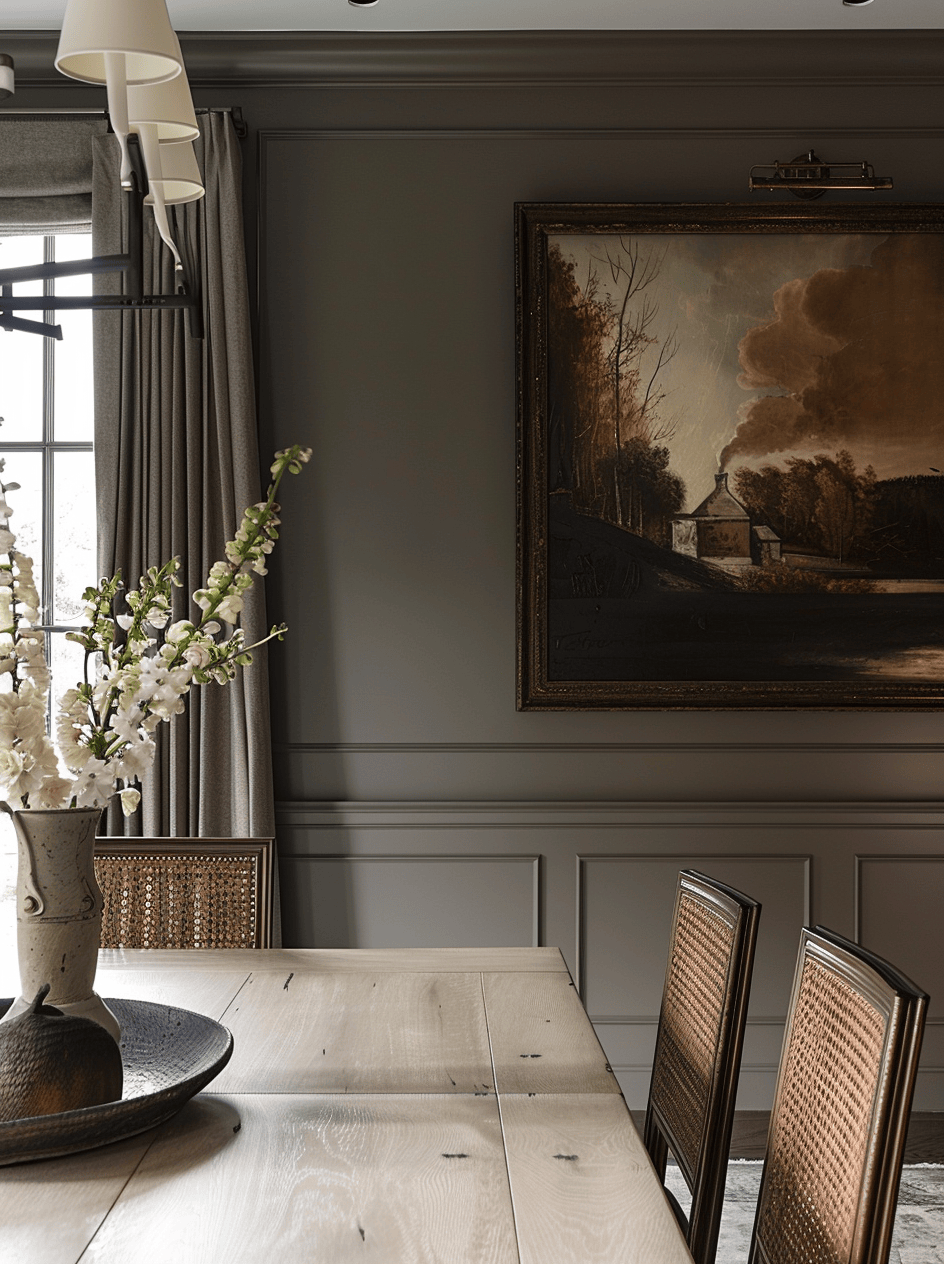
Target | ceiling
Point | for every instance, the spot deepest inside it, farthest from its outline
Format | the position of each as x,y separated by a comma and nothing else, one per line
511,15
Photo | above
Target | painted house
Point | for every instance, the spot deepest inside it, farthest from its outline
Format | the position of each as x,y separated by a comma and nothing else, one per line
720,531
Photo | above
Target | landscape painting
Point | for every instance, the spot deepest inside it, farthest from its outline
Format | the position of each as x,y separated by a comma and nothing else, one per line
730,456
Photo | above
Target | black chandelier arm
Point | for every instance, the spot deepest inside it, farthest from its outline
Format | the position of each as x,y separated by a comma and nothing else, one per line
132,299
64,268
10,323
93,302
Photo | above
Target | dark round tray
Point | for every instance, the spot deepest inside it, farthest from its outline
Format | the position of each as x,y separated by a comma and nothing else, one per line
168,1055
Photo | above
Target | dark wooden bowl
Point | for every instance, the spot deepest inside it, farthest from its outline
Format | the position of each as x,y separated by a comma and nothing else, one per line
168,1055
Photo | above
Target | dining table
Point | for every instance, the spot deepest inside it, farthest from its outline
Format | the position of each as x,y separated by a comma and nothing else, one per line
397,1106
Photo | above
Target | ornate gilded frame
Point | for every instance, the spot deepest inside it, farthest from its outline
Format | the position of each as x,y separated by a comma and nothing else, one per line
546,682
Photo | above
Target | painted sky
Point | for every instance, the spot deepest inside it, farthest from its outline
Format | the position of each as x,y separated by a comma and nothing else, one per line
794,344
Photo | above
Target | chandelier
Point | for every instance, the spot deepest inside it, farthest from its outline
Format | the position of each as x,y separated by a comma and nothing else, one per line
130,48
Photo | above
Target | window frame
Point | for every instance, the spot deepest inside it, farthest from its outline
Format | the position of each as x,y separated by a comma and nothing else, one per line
47,445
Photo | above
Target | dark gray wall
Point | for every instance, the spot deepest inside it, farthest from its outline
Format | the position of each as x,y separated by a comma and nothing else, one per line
416,805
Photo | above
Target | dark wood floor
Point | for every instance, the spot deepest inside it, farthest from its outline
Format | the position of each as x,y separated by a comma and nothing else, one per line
925,1142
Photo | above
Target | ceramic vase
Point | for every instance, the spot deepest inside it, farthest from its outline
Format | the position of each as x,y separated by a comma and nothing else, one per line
59,911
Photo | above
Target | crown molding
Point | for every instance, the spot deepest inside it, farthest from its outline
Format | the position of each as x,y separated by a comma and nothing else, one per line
530,58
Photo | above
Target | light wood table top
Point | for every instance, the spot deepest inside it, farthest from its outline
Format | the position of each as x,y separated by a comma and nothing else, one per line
394,1106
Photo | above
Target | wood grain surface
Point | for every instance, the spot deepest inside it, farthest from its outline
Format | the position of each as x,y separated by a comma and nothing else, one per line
50,1210
389,1180
361,1119
207,992
359,1032
541,1038
334,960
582,1185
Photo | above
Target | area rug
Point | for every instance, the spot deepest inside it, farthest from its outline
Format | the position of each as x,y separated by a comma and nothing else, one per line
919,1223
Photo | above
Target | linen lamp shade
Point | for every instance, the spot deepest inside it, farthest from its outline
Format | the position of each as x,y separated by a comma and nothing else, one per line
168,106
138,29
173,169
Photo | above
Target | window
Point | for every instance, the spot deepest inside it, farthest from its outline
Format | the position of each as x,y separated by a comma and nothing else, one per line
46,438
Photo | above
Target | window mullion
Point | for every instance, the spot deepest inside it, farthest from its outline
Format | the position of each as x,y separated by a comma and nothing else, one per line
48,512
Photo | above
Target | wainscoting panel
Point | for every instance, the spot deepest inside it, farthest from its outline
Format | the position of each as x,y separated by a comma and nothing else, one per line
899,903
899,907
597,880
413,901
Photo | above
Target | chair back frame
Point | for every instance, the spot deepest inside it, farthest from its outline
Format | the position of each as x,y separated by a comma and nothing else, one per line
901,1009
704,1165
258,851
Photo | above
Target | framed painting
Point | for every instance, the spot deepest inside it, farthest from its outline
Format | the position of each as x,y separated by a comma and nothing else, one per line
730,456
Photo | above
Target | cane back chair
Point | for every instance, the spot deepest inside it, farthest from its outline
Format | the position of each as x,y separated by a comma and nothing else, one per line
698,1047
185,892
840,1114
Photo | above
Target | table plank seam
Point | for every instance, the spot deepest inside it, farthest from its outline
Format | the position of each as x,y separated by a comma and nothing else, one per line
501,1122
130,1177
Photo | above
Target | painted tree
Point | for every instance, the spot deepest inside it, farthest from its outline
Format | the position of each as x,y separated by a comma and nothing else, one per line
605,400
821,503
578,324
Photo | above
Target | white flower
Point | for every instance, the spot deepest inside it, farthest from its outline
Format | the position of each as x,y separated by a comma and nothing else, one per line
11,764
129,801
178,632
230,607
197,655
94,785
55,792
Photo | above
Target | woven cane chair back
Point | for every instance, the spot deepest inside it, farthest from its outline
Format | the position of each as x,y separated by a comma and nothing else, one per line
698,1046
185,892
840,1114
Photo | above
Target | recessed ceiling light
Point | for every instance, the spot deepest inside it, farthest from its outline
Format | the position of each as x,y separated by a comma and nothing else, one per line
851,4
369,4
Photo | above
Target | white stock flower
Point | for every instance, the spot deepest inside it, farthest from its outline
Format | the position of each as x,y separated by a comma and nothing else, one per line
197,655
94,785
137,752
11,764
129,801
54,792
178,631
230,608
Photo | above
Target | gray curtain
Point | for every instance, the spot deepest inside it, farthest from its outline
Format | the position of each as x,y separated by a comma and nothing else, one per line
176,463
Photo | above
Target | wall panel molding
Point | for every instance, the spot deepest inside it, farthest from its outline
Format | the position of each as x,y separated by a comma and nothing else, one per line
699,771
663,813
461,748
575,132
482,59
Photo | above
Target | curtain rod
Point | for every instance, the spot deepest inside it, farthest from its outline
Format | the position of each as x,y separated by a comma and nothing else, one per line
54,115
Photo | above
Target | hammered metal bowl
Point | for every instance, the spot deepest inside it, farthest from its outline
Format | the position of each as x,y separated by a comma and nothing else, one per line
168,1055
